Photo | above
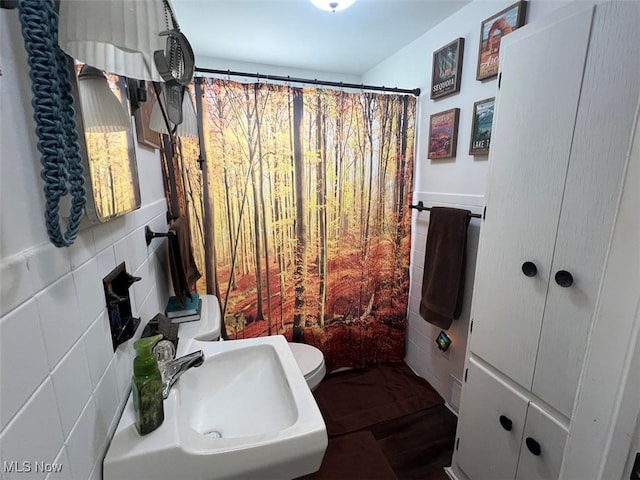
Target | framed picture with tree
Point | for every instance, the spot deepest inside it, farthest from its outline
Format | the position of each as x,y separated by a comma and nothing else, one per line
491,32
447,69
481,126
443,134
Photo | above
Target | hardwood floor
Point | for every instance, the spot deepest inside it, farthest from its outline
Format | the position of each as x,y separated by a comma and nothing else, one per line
415,446
419,445
384,423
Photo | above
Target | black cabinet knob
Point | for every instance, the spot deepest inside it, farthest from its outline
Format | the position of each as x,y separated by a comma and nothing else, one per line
529,269
506,423
564,278
533,446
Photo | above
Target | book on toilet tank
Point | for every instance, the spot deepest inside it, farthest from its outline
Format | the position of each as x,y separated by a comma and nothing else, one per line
189,317
175,308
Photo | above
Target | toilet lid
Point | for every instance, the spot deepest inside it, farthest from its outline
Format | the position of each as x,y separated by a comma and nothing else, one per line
309,358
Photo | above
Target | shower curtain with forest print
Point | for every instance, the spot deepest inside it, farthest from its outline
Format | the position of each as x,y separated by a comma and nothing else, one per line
304,216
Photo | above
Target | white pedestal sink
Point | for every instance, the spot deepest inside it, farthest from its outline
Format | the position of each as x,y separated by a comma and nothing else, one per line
247,412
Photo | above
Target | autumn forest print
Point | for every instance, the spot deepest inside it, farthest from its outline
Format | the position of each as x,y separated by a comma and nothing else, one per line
300,214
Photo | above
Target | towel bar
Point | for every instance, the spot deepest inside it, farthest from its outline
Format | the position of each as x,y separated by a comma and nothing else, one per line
420,207
150,235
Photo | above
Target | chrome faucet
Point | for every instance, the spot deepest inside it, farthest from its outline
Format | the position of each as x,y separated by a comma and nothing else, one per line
173,369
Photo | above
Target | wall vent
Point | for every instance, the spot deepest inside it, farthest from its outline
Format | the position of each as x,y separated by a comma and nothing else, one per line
455,392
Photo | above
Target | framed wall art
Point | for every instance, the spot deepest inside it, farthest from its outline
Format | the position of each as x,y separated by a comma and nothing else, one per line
481,126
443,134
145,135
447,69
491,32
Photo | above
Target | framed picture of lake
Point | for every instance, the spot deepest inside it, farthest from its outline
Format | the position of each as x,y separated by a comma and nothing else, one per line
481,126
443,134
491,32
447,69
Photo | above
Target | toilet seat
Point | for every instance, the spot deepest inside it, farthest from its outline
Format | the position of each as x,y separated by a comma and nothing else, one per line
311,362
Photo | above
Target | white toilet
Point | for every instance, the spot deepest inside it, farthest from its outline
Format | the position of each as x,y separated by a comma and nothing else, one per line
311,362
309,358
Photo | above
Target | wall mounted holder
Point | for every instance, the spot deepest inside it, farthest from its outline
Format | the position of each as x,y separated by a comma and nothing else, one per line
116,291
150,234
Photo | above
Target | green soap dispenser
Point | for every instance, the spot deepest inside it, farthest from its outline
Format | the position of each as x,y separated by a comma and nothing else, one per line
147,386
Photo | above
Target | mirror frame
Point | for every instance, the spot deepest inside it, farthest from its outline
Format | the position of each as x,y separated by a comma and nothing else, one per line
92,212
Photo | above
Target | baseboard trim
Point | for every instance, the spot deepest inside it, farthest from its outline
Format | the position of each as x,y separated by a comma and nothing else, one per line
446,404
450,474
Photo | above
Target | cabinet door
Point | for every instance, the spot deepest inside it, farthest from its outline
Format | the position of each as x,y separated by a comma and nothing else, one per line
604,125
490,425
542,446
536,106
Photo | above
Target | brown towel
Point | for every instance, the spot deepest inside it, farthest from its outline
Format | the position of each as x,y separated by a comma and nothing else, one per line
444,265
184,271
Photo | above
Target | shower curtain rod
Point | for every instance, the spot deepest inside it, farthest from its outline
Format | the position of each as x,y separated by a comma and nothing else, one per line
315,81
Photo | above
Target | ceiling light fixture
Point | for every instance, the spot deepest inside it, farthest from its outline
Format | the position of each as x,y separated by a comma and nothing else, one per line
333,5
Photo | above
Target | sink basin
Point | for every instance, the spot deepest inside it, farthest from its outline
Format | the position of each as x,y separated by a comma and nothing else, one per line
238,393
246,412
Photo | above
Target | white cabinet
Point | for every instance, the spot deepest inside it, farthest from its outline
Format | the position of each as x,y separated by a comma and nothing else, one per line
503,433
550,204
529,158
542,445
562,129
490,432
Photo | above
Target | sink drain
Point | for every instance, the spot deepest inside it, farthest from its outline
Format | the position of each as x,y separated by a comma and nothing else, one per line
213,434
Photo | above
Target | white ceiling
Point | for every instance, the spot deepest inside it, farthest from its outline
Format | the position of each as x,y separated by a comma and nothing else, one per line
295,34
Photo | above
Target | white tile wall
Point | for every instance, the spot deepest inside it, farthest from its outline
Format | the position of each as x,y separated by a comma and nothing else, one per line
83,249
106,261
72,384
63,387
85,442
63,461
90,298
59,318
20,338
440,368
122,363
107,396
35,433
121,251
101,352
102,236
46,264
15,286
